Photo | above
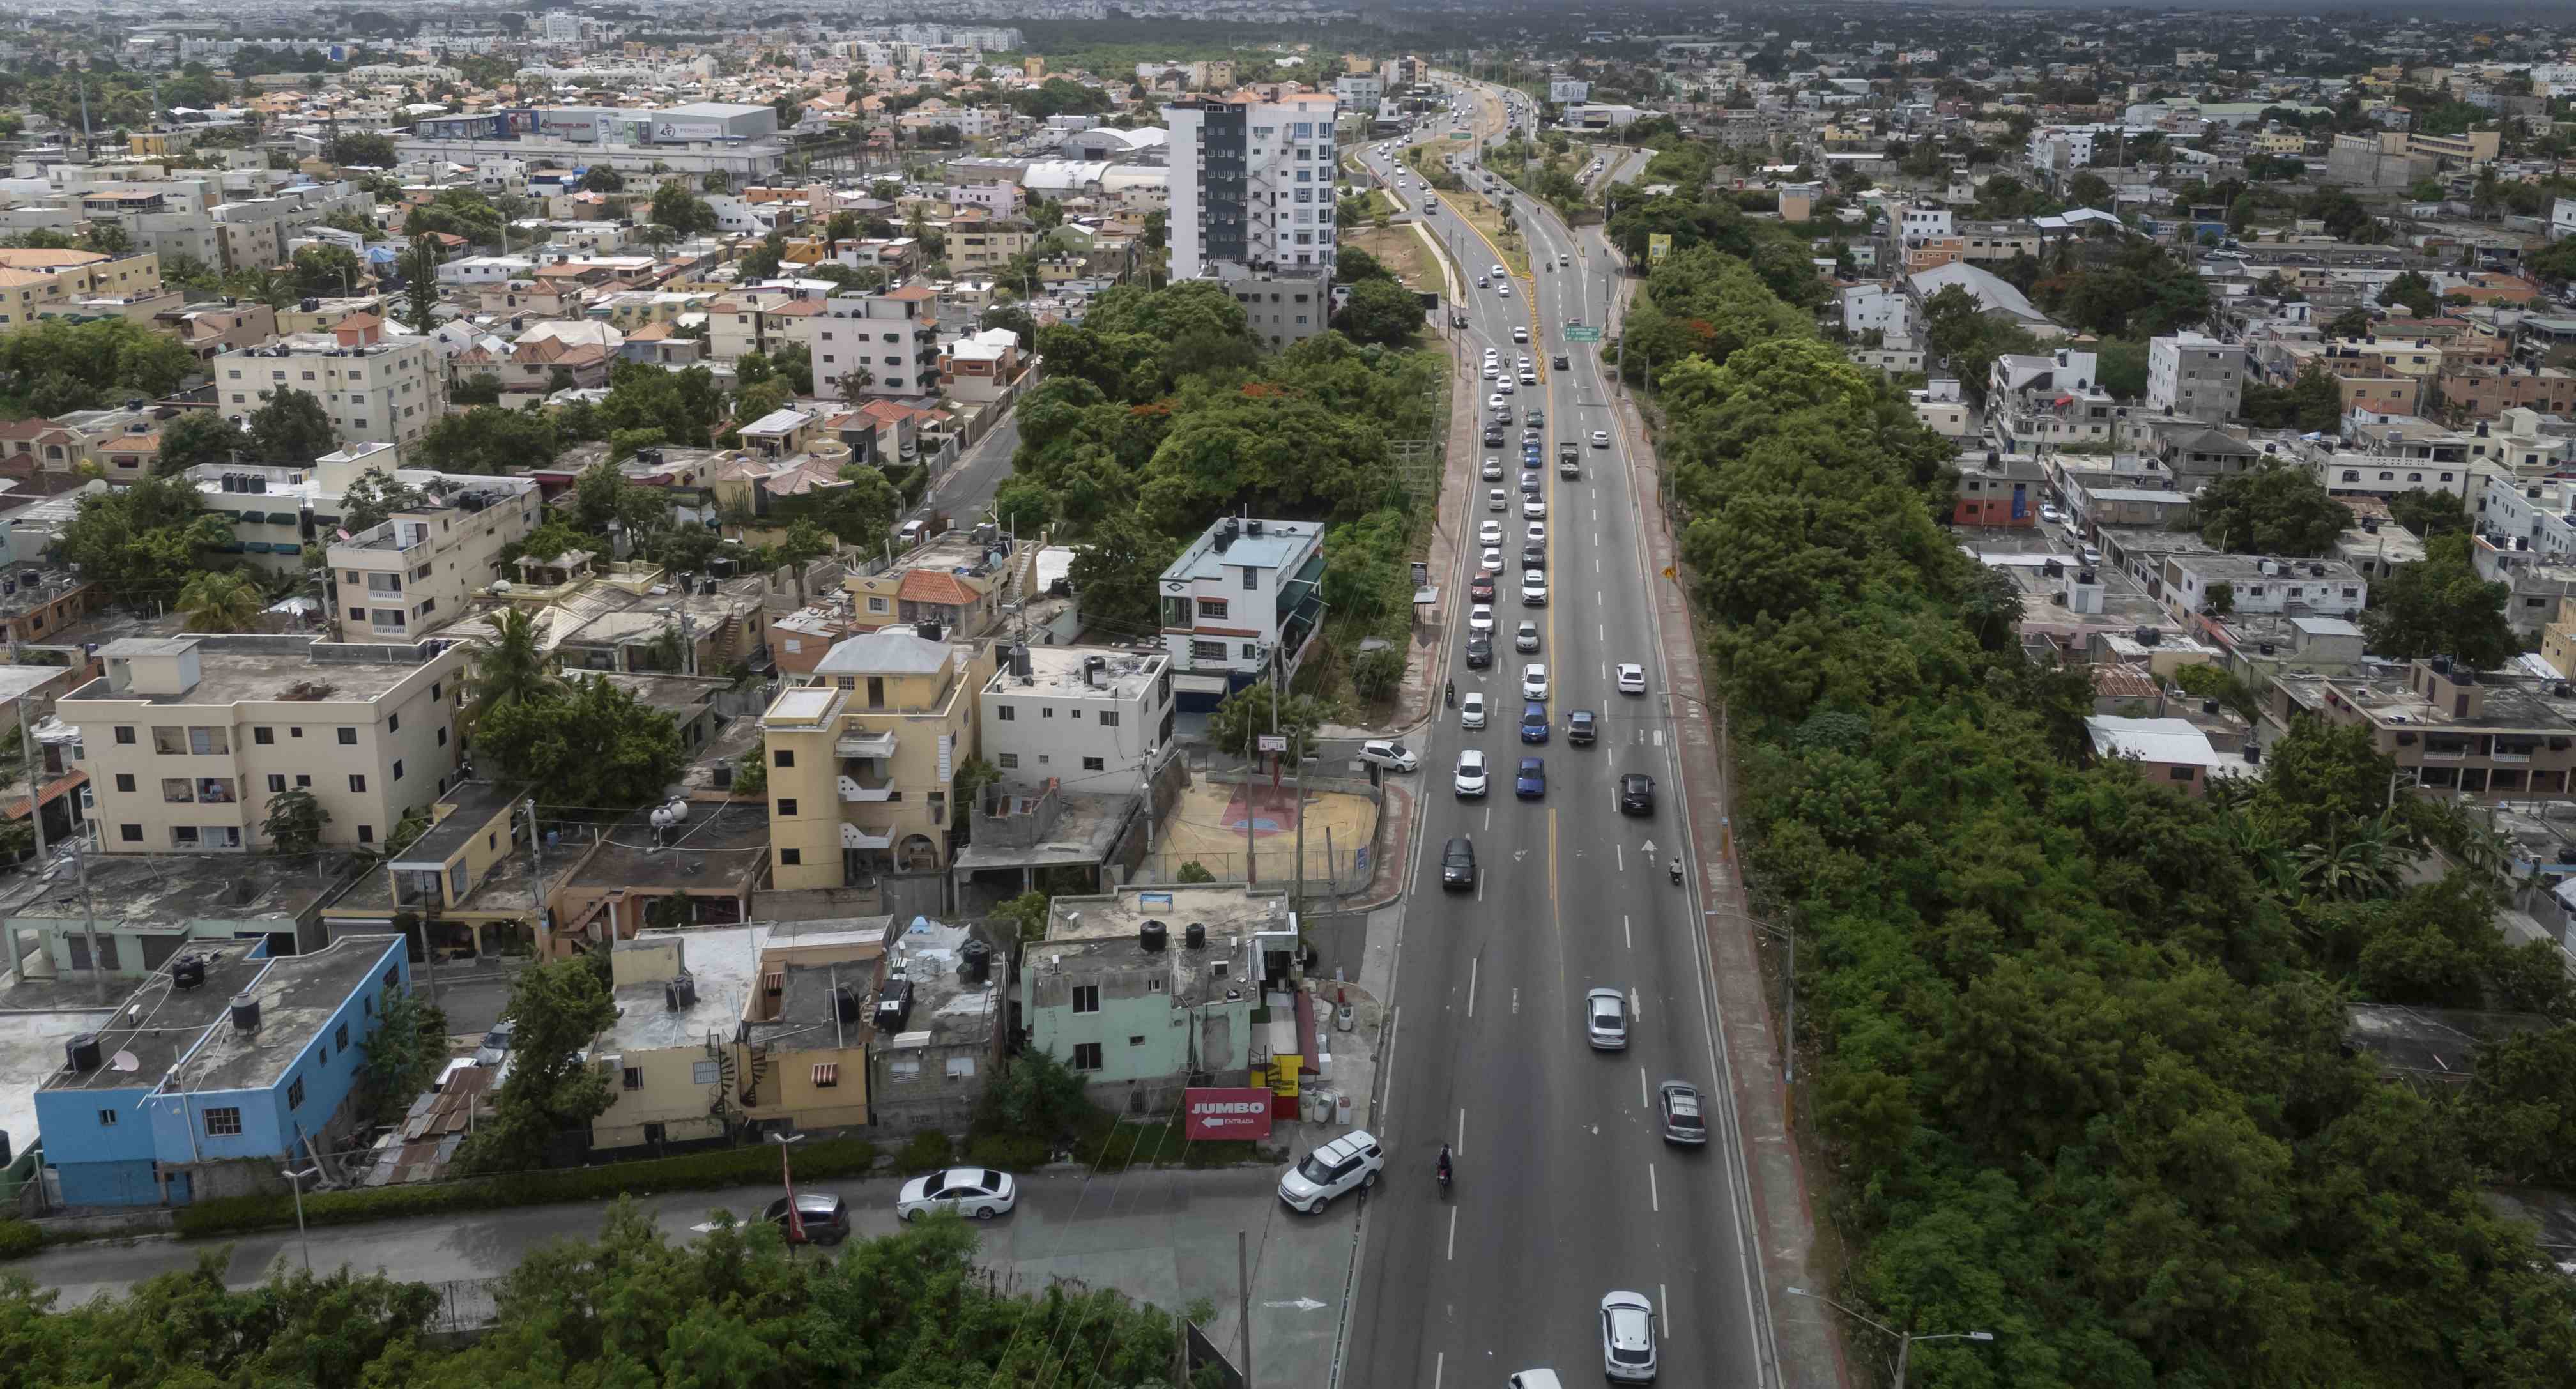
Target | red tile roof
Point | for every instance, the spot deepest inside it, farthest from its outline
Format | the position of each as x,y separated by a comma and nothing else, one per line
935,586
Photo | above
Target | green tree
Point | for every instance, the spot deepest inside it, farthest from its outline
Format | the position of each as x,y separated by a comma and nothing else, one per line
221,601
199,436
1022,506
602,178
2351,323
2439,606
556,1009
1118,570
294,821
593,746
373,497
405,1053
2428,514
481,388
418,266
144,541
292,428
364,149
513,668
674,206
1038,1096
2270,510
2520,1106
2415,293
1381,311
1246,716
329,271
488,439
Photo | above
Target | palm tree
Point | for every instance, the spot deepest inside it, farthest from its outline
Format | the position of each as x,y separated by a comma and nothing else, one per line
220,602
657,236
513,667
2370,863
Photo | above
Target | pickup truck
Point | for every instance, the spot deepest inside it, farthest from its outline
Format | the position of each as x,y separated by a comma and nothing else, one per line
1569,459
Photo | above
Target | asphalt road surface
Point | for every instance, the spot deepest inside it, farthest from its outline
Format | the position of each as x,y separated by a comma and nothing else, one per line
1565,1188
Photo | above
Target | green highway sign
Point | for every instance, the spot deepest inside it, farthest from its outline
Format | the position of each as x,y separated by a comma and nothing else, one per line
1583,334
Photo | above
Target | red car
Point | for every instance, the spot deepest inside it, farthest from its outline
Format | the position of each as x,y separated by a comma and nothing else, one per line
1481,588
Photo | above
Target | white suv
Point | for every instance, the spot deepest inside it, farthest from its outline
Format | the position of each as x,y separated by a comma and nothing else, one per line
1345,1164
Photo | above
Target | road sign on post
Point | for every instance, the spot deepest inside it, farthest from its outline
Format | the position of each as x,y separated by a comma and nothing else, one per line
1272,742
1585,333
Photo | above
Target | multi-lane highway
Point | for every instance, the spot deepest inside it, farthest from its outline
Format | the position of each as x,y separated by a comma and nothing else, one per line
1565,1186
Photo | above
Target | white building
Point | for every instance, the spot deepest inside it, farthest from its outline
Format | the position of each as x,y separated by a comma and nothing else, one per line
1245,591
2194,374
1252,183
2562,219
1883,307
1925,222
1098,719
1359,93
374,389
892,335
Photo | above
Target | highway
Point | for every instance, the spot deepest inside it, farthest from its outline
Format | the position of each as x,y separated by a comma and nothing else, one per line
1565,1188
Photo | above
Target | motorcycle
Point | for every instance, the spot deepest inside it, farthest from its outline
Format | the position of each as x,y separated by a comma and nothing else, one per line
1677,872
1444,1176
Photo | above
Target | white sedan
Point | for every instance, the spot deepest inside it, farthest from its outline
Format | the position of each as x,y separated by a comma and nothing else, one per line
1491,533
1504,386
1534,681
1496,402
1534,509
977,1191
1496,272
1480,618
1632,678
1471,772
1505,290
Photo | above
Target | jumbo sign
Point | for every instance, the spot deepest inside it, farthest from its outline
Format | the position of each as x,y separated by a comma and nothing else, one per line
1212,1113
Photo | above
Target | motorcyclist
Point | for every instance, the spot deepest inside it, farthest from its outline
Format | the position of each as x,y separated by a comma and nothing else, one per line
1444,1164
1449,693
1677,868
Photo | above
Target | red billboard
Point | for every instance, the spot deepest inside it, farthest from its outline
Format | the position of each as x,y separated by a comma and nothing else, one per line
1211,1113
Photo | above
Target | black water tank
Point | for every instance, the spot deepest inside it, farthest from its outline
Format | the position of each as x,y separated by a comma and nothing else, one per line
1195,935
82,1052
246,1012
188,971
1152,935
894,1007
979,961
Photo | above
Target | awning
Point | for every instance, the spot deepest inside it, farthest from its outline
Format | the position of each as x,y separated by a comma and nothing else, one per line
827,1073
287,547
284,518
257,547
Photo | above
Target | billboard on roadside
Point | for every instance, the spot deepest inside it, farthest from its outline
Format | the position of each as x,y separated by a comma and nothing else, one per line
1658,246
1225,1113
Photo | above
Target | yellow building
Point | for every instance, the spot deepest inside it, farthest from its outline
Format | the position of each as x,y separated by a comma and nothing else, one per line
985,243
2280,142
35,282
863,758
764,1025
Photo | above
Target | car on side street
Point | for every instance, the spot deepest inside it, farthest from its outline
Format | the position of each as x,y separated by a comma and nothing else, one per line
1346,1164
1393,756
977,1191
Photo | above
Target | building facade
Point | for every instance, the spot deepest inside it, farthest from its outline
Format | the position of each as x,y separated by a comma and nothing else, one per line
863,759
2196,375
1252,183
892,336
1098,720
373,389
1244,594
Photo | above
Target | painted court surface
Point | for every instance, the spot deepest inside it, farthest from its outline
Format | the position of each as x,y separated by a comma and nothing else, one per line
1206,827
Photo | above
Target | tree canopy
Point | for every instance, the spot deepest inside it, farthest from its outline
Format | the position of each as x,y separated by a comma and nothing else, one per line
593,746
2274,509
2438,606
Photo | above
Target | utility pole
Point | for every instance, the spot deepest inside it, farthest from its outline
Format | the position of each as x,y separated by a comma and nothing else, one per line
537,857
35,786
1243,1300
89,922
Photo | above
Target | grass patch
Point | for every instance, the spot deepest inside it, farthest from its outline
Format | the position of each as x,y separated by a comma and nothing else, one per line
1477,210
750,1165
1160,1143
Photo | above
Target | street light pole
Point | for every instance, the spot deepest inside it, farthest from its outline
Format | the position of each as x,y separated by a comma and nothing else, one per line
1905,1340
295,1179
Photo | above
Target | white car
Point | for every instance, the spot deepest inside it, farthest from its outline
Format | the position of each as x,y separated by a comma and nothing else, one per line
1535,509
1471,772
1601,438
1480,618
1528,377
977,1191
1534,681
1497,272
1393,756
2051,515
1632,678
1495,402
1492,558
1628,1338
1491,533
1505,290
1492,371
1471,710
1533,589
1504,386
1519,333
1496,499
1605,1019
1535,531
1347,1163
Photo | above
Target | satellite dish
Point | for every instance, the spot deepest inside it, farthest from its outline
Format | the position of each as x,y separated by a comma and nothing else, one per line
124,1061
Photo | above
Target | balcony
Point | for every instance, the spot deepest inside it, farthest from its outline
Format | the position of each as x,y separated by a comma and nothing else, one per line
866,783
853,837
864,744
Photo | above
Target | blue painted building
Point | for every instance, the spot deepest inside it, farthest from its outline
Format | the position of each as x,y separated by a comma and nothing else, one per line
226,1066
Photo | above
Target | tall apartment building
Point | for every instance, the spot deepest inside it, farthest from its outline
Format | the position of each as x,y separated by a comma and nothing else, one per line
186,739
863,759
2195,374
892,335
374,389
1252,182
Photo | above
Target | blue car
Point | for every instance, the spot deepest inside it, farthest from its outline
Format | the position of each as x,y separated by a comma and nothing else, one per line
1533,723
1531,784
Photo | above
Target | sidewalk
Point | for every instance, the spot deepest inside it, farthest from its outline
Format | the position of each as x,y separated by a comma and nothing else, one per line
1810,1347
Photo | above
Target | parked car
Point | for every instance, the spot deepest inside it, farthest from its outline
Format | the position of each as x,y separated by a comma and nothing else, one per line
821,1218
977,1191
1458,865
1347,1163
496,1043
1393,756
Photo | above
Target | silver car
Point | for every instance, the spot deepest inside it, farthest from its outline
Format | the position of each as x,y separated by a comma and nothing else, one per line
1605,1019
1628,1338
1684,1120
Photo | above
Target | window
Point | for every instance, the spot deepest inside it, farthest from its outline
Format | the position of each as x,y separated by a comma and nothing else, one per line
2182,773
1214,607
1010,761
125,734
706,1072
107,1118
366,834
442,737
303,781
784,757
1086,998
348,737
790,858
1207,650
263,736
1134,1041
125,781
1046,711
787,805
358,783
295,1094
1086,1056
1095,764
1109,718
634,1077
276,782
129,834
223,1121
340,1036
1008,714
827,1075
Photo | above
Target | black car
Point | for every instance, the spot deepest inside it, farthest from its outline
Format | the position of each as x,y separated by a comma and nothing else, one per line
1559,359
1458,864
1534,554
1636,794
1480,652
1581,728
1536,416
1493,436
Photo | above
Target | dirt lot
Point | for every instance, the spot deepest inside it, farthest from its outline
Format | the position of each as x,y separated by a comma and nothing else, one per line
1400,250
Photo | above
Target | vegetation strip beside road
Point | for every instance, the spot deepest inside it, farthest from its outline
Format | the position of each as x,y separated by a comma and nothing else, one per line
2050,1001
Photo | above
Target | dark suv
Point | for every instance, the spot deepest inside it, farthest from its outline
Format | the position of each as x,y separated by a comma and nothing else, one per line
1580,728
1636,794
1458,864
